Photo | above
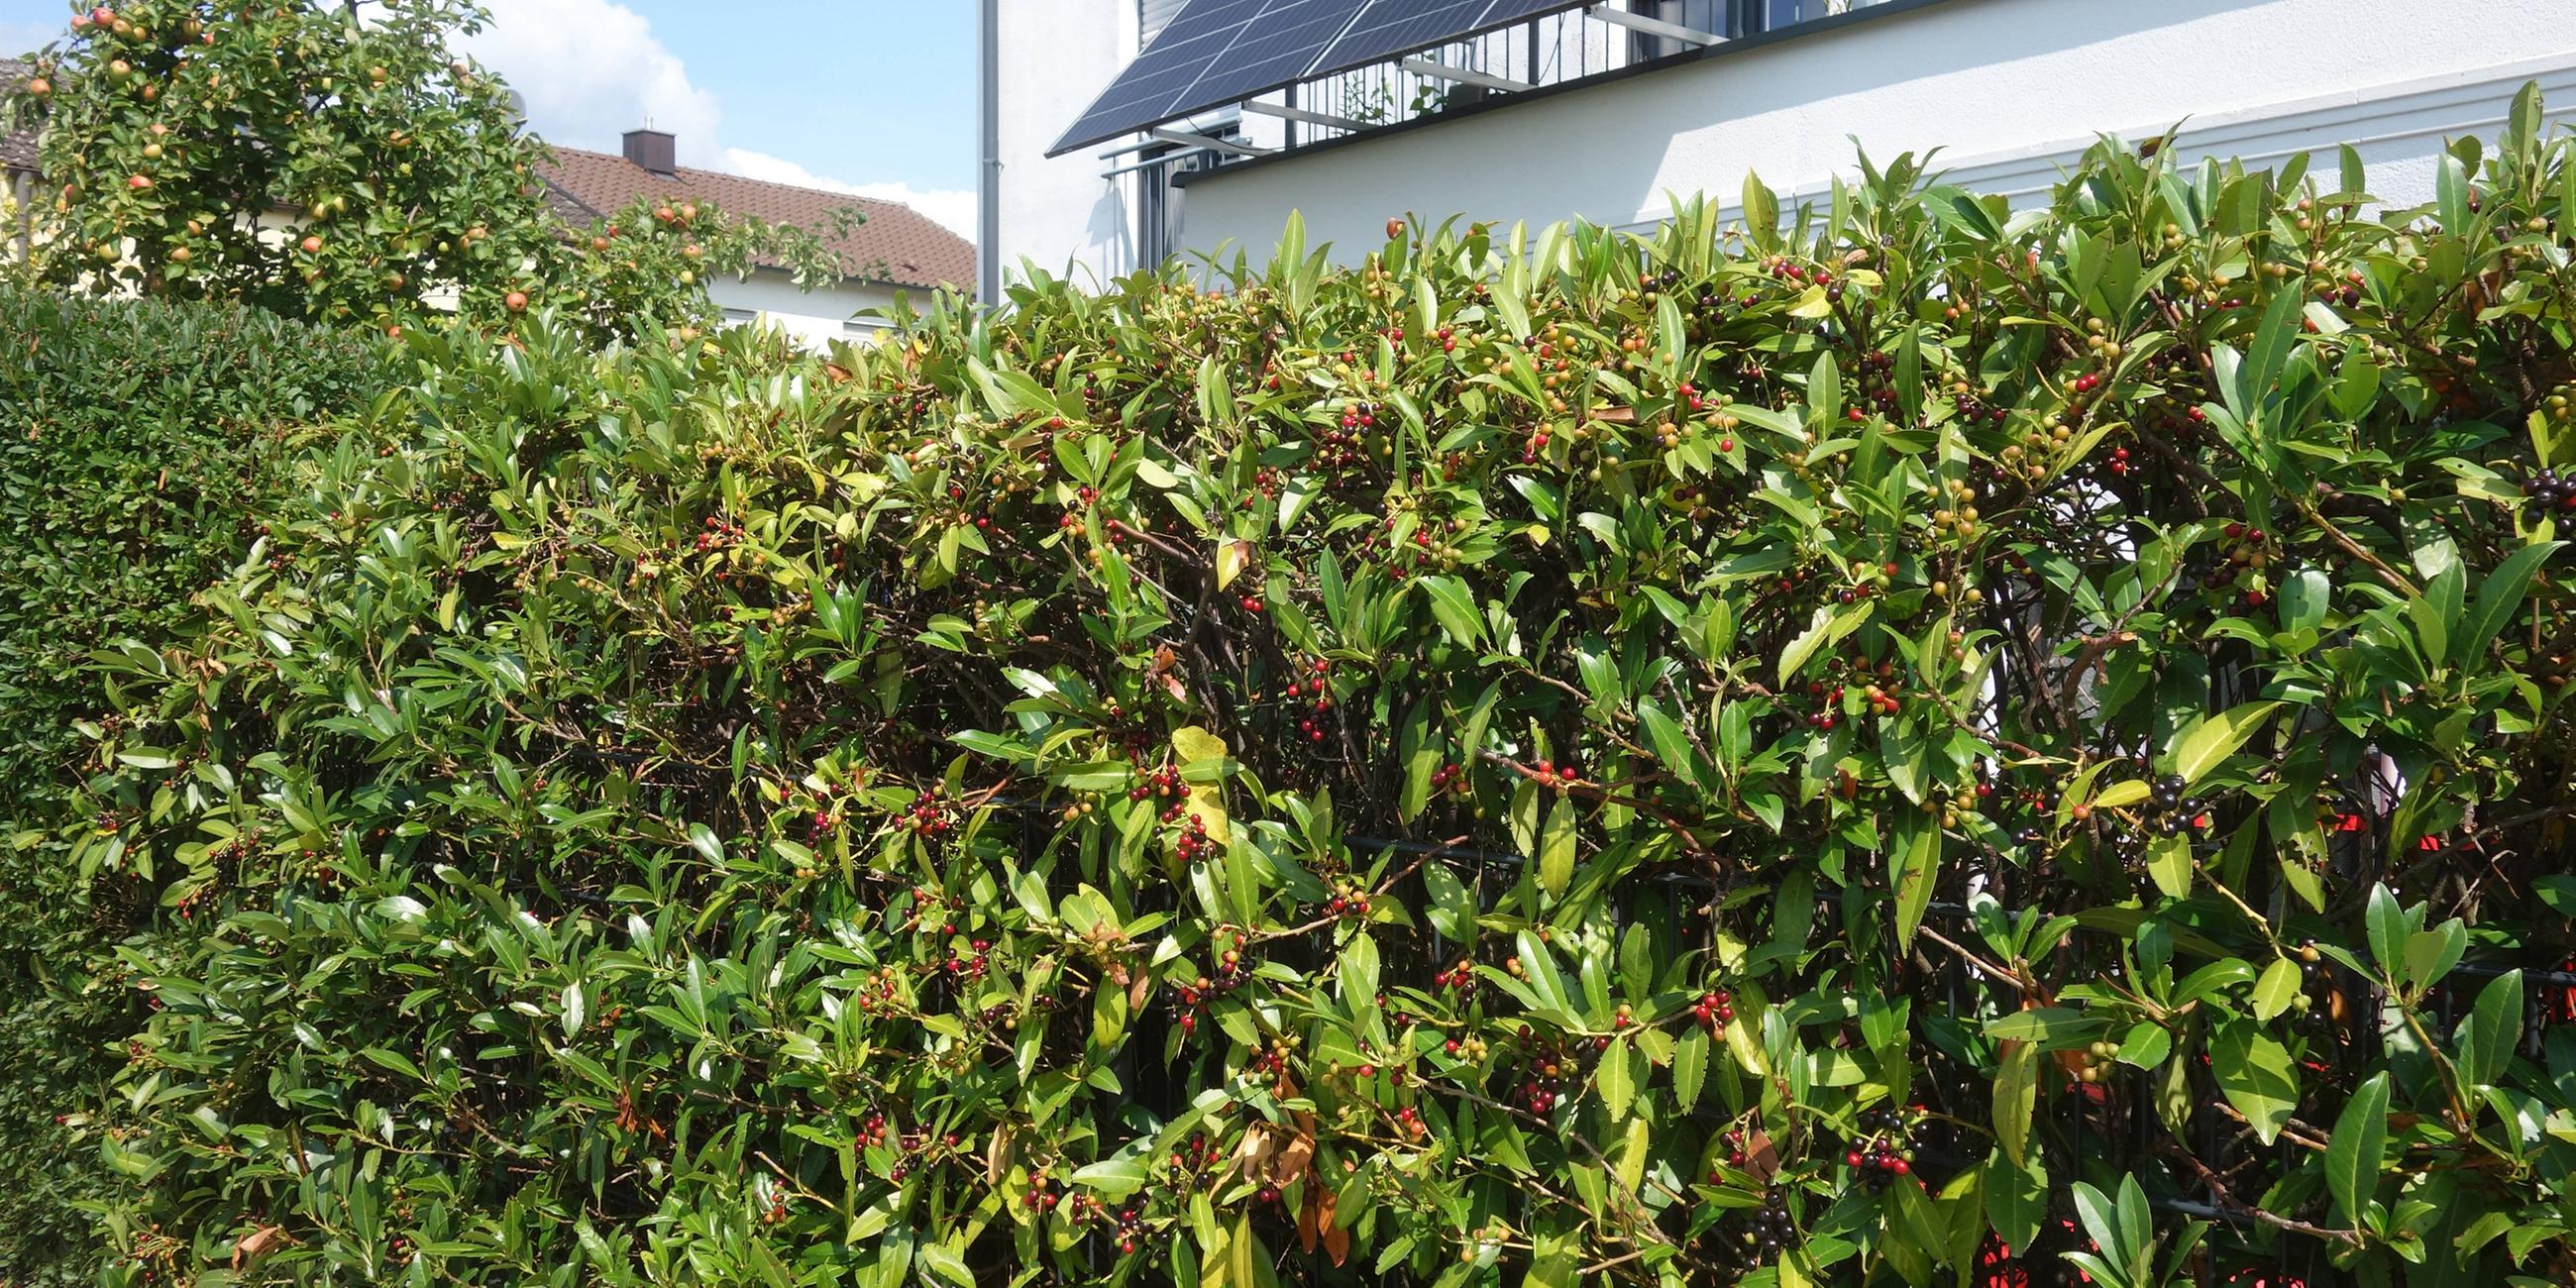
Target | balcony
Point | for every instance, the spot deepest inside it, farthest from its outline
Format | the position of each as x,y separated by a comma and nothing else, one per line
1569,48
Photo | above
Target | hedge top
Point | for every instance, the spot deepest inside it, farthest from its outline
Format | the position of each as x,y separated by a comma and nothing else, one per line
1561,756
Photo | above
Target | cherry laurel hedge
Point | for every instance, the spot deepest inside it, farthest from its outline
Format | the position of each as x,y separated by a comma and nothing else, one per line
1943,745
136,438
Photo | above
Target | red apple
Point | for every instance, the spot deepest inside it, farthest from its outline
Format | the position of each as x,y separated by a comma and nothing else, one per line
103,16
137,182
515,301
312,245
39,87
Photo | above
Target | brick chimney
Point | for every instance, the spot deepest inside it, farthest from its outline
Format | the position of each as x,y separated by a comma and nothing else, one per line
652,149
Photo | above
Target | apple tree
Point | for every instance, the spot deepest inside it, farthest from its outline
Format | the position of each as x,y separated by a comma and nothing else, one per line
323,160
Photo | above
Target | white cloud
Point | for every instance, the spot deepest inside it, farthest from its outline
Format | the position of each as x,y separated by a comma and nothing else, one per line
592,70
948,207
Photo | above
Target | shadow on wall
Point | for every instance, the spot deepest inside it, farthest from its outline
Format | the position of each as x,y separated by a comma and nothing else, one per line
1111,232
1620,142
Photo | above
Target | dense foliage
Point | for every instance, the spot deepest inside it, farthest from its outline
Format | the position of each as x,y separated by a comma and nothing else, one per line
1943,744
320,162
136,441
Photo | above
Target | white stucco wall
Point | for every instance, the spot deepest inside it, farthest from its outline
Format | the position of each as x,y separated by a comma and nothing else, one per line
2008,89
814,318
1055,57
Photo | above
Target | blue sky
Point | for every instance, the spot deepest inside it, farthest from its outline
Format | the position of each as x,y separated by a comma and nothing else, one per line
871,96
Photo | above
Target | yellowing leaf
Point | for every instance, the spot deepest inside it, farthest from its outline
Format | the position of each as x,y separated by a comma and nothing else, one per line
1231,556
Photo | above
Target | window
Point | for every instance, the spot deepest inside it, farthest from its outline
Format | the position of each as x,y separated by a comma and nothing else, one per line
865,330
1731,19
741,317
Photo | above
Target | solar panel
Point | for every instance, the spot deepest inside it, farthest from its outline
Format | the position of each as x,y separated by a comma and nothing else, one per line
1212,53
1393,28
1215,52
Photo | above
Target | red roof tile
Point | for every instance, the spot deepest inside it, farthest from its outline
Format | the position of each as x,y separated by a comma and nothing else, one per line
897,244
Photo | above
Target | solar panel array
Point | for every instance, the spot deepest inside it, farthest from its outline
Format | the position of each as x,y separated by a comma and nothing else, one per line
1211,43
1216,52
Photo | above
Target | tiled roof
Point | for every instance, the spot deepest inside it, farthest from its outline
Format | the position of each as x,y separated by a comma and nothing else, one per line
17,151
897,244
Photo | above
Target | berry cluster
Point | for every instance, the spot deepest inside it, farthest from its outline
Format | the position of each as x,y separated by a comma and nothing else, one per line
1459,979
1451,777
2544,491
1194,845
1341,450
1554,1066
1271,1062
2171,812
2248,552
1190,1000
1315,694
1770,1230
1350,899
721,534
1886,1149
884,994
930,814
1714,1009
971,964
1164,782
1470,1049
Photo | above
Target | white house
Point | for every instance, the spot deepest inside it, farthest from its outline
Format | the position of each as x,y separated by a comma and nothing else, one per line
896,249
1121,131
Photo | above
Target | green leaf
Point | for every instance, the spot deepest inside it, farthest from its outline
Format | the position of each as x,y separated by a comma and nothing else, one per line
1920,869
1455,608
2038,1024
2279,986
2255,1074
2354,1153
1761,213
2387,931
2269,353
2016,1094
2451,195
2304,600
703,840
2499,597
1615,1079
1556,846
1826,628
2169,865
1690,1067
1672,745
944,1264
2016,1200
2128,791
1453,910
2492,1029
2212,739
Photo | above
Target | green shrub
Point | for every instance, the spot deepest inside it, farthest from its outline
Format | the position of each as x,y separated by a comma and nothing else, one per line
135,442
1526,761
